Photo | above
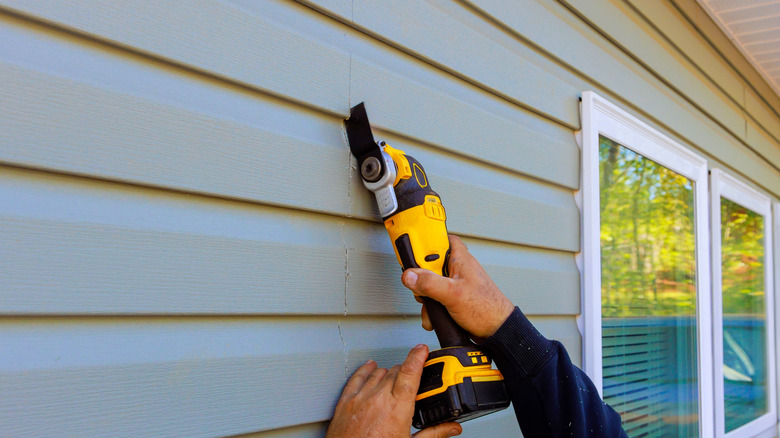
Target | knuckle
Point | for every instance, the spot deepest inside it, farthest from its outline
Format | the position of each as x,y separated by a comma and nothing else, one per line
409,367
423,282
377,374
455,290
405,388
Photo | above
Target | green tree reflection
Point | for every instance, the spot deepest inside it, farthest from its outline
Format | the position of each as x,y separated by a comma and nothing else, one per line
647,236
744,321
648,281
742,246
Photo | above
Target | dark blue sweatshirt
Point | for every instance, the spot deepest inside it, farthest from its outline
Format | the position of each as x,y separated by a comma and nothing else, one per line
551,396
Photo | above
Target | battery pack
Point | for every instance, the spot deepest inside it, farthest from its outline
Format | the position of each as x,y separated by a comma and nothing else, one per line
458,384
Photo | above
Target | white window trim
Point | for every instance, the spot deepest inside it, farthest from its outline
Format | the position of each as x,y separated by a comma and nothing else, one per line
602,117
776,312
725,185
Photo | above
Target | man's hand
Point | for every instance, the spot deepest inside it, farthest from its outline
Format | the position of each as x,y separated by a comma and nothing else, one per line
469,295
380,403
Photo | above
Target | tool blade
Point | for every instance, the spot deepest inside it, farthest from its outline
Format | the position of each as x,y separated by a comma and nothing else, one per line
361,140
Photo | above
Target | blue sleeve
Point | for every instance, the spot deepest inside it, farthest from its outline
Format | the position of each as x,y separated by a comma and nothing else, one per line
551,396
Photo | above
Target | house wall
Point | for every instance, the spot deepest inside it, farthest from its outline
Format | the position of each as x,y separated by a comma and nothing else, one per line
187,249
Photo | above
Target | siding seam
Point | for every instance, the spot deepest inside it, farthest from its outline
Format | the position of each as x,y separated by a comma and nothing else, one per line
345,350
346,265
344,345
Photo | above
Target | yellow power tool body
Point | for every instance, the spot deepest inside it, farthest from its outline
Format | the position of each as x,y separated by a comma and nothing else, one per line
458,382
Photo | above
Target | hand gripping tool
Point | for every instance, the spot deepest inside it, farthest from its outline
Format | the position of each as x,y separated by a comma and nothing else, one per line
458,382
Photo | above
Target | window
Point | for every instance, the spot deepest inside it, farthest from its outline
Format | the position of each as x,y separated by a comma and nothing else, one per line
742,304
646,274
648,293
678,289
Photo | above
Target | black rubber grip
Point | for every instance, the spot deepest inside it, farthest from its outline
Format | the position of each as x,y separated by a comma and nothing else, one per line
449,333
405,252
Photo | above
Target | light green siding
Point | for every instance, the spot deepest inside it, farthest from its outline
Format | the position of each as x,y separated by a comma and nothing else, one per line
185,245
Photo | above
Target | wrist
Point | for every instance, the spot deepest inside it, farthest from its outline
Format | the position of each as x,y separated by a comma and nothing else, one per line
501,315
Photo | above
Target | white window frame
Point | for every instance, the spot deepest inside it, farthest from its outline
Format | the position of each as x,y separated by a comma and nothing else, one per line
600,117
776,311
724,185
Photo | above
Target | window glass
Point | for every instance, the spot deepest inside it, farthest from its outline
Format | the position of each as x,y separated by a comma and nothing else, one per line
744,314
648,296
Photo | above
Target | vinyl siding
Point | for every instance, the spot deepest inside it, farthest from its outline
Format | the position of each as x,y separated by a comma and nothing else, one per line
185,245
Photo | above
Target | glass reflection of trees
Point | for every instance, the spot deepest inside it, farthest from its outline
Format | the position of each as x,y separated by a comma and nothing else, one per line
744,321
648,294
647,236
742,246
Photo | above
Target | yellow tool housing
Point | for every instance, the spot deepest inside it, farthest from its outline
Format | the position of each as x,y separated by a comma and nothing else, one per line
458,382
418,228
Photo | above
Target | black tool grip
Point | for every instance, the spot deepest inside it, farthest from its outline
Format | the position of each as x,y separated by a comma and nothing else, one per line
450,334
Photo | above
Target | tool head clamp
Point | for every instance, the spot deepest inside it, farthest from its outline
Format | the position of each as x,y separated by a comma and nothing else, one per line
377,168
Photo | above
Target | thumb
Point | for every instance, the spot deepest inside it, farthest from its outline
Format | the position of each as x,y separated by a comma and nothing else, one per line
444,430
429,284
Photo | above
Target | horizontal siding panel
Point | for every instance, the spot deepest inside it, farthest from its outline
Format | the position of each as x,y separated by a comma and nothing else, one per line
700,19
184,124
108,248
385,340
673,25
409,97
374,285
160,378
547,150
255,50
499,424
564,36
75,246
450,36
540,282
193,377
432,107
314,430
618,21
149,126
763,142
339,9
763,114
221,143
502,423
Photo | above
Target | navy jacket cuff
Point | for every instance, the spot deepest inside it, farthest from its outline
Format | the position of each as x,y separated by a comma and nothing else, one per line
517,347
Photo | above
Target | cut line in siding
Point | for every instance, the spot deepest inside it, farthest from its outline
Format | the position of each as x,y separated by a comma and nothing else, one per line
454,41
